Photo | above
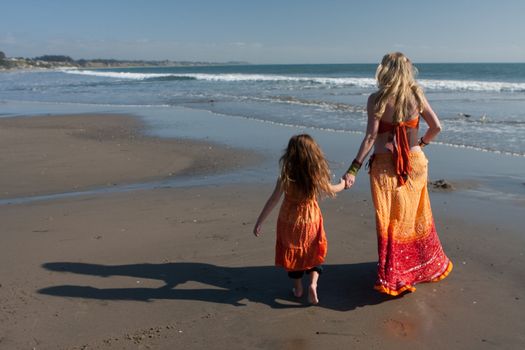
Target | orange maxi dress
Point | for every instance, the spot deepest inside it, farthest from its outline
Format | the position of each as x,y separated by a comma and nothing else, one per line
301,239
409,248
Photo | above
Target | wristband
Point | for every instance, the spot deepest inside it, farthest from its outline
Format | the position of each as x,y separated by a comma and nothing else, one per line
422,143
354,167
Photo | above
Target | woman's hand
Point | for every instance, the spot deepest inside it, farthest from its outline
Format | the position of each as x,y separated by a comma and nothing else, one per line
349,180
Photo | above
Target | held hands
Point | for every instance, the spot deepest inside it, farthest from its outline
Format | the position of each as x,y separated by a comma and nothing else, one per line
349,180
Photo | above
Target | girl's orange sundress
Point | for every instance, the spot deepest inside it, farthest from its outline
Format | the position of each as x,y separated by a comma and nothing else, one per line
301,240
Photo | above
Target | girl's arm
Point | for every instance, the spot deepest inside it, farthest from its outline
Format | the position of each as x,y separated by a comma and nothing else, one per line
372,128
268,207
434,126
339,187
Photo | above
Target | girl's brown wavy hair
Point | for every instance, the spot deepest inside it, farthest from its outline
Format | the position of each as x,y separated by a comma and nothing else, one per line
304,168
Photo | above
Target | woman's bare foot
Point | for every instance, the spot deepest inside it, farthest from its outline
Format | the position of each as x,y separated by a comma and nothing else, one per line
312,294
297,289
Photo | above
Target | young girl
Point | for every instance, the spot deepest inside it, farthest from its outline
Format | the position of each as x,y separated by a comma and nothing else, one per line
301,240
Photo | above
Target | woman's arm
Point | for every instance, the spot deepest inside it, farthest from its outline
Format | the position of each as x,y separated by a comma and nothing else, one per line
268,207
434,126
372,128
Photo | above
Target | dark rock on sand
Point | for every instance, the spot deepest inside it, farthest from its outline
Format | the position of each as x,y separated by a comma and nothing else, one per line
441,185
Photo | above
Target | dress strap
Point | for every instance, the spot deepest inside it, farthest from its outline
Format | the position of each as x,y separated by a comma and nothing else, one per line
401,153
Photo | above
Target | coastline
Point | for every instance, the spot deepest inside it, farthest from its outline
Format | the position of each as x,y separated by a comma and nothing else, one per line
28,64
158,268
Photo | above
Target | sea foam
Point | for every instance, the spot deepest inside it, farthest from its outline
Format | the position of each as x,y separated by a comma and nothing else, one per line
449,85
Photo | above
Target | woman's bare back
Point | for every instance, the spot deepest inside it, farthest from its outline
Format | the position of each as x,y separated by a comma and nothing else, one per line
384,140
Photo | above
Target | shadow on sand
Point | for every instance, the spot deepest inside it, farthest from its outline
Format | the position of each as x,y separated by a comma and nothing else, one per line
341,287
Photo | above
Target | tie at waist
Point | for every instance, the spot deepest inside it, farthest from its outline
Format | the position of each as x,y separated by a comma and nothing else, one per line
401,147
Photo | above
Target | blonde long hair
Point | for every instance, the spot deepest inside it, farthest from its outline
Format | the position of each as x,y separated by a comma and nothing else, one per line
396,82
304,168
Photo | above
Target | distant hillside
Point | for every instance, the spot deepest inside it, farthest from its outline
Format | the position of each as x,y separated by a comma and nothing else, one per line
62,61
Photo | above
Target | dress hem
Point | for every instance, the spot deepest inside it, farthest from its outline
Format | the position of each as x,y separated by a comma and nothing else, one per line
410,288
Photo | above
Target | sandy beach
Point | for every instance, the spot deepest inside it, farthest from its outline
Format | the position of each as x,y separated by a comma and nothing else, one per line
178,268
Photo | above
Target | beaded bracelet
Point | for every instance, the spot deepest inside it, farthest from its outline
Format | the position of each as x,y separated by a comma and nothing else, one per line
354,167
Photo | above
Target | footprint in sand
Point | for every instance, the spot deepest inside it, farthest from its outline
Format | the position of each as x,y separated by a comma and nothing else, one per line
400,329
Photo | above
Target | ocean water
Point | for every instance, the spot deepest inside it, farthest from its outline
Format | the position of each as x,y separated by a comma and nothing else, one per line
481,106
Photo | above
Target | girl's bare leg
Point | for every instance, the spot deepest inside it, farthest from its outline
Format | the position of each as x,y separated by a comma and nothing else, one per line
312,291
298,287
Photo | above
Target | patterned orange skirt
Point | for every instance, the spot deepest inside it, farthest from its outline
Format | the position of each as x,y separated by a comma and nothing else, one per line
301,240
408,245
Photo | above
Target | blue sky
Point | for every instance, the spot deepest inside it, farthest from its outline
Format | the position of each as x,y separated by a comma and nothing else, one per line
270,31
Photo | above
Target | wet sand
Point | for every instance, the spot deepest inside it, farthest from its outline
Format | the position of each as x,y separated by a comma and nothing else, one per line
178,268
54,154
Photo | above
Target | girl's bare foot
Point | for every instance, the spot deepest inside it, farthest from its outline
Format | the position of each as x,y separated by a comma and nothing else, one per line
297,289
312,295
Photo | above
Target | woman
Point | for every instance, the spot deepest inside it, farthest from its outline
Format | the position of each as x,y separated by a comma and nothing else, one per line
408,246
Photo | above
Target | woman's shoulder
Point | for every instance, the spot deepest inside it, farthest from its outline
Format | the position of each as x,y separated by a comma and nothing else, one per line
373,96
372,99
